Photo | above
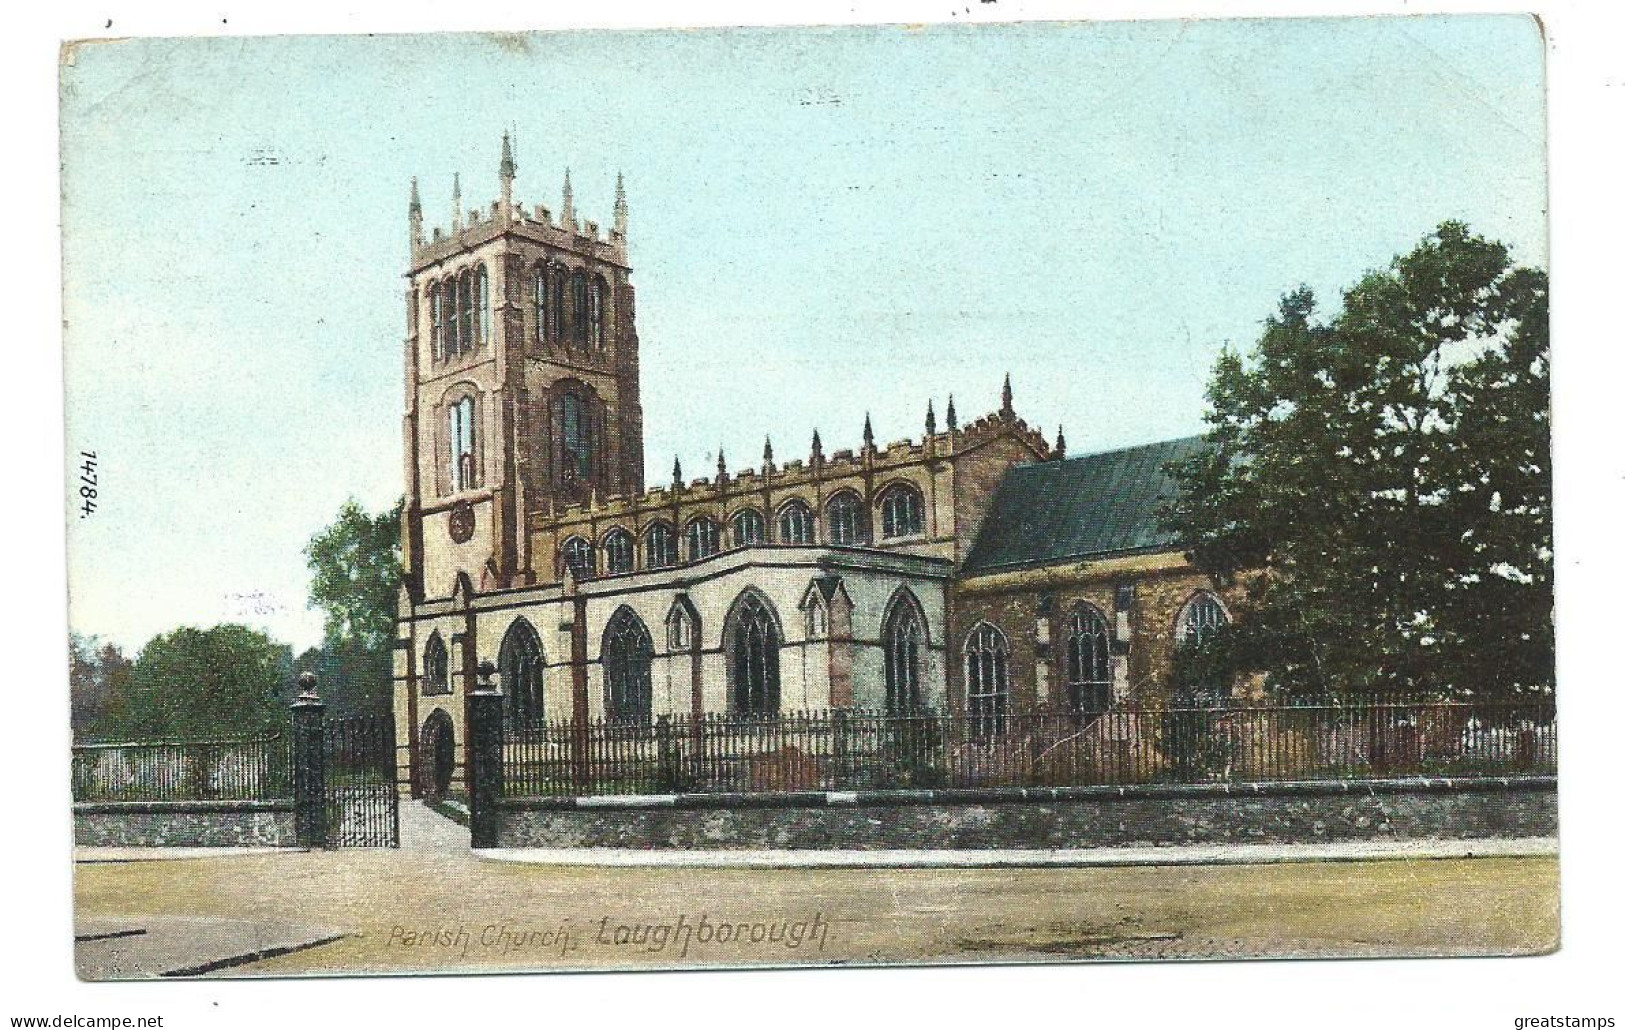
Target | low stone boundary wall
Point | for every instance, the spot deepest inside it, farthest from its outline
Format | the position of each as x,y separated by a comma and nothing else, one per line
1055,817
184,824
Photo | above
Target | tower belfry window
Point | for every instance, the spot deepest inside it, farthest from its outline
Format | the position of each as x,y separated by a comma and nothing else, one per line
541,304
577,438
580,313
482,289
460,434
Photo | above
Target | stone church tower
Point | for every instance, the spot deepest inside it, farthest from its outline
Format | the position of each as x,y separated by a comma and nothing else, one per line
521,384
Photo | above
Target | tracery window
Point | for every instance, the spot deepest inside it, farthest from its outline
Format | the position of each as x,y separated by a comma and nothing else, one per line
628,655
1088,661
845,517
539,303
987,680
460,448
748,528
704,538
659,546
577,438
618,552
752,639
580,310
795,523
519,661
577,555
902,511
903,639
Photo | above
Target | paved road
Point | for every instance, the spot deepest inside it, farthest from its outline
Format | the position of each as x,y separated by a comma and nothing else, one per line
431,907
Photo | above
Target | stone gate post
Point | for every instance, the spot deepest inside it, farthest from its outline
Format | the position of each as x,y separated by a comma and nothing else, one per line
309,769
485,759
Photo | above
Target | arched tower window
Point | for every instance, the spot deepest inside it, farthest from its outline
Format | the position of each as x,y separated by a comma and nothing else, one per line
437,319
482,301
628,653
595,310
519,661
618,552
659,546
751,638
704,538
436,667
577,418
748,528
1088,659
467,309
539,304
902,511
580,312
576,556
903,637
795,523
845,516
460,449
987,680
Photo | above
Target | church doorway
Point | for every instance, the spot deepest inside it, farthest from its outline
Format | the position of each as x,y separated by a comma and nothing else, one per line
439,750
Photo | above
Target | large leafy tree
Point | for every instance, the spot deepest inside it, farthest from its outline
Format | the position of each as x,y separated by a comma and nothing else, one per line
355,571
1380,483
195,684
98,685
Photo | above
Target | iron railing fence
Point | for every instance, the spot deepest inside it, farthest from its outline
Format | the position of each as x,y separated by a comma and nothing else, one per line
238,769
860,750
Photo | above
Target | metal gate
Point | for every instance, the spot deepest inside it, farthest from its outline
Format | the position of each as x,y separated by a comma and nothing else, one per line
359,792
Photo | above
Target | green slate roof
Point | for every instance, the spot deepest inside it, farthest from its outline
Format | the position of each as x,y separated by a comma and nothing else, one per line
1091,506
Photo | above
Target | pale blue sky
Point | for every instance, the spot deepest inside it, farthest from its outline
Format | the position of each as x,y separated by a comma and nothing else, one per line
823,223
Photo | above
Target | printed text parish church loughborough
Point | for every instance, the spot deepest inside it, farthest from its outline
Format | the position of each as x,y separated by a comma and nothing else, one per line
977,569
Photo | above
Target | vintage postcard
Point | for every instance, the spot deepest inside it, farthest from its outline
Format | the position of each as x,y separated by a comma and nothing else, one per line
759,497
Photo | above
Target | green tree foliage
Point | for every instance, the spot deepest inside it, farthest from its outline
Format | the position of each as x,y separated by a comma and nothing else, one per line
1380,483
355,569
198,684
98,685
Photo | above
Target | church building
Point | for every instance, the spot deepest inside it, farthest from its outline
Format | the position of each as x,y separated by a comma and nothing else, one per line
977,568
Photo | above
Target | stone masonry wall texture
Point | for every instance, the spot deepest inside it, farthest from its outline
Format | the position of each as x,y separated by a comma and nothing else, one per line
1101,819
188,827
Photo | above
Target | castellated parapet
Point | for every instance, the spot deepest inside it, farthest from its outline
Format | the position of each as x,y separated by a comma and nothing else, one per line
945,468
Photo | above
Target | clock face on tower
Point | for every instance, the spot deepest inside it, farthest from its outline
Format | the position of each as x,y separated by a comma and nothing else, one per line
461,522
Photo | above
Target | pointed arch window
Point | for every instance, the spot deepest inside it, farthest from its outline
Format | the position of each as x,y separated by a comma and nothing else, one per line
580,310
902,511
795,523
845,516
469,310
987,680
539,304
460,450
704,538
577,430
437,319
519,662
577,558
1202,618
903,637
1088,661
436,666
482,300
618,552
595,310
659,546
752,639
628,657
748,528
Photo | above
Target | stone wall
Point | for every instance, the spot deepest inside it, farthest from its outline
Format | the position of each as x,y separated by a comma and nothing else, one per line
1061,817
184,824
